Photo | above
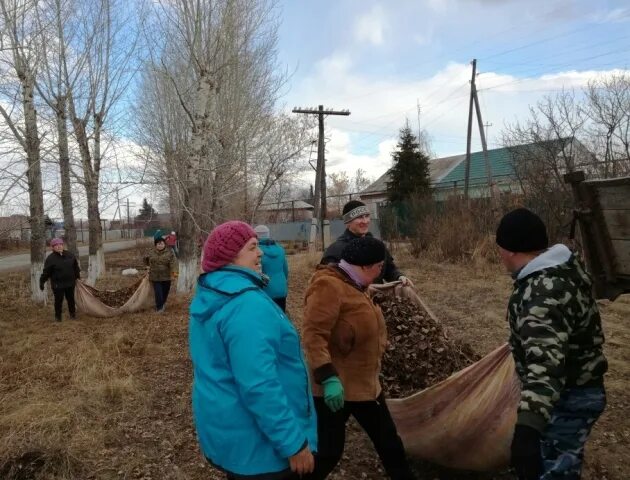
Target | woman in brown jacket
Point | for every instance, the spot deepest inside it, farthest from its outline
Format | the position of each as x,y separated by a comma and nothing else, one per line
344,340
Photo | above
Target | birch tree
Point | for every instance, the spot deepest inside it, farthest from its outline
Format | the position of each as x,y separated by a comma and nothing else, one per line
20,61
97,60
52,88
220,59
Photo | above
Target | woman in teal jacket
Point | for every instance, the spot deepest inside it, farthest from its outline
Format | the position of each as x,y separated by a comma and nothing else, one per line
275,266
251,395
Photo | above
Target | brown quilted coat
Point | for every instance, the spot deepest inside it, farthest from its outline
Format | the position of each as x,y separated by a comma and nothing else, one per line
344,334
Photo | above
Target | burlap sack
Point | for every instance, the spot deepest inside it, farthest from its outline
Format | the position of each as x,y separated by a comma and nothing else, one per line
466,421
91,305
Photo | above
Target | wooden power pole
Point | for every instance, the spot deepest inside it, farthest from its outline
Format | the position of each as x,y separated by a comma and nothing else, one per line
474,101
319,198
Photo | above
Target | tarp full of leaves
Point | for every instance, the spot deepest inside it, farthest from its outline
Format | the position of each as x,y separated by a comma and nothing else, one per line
111,303
419,352
465,421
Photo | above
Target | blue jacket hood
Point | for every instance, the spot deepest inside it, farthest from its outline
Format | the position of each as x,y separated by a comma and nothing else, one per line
222,285
270,247
275,266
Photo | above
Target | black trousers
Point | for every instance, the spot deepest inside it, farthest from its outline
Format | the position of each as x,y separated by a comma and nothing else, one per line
375,419
282,303
59,294
161,289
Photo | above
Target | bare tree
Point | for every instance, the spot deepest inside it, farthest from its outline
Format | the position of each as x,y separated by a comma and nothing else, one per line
52,88
97,67
361,181
219,57
608,107
545,147
338,190
278,154
19,32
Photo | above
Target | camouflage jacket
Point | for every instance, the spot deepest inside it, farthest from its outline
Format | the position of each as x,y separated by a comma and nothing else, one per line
162,264
555,332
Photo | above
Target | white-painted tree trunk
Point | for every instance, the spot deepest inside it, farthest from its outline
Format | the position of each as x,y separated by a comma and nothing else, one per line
37,295
96,266
188,273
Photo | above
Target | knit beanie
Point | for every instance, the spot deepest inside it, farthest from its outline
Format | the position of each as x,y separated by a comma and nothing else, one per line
364,251
354,209
56,241
262,231
523,231
224,243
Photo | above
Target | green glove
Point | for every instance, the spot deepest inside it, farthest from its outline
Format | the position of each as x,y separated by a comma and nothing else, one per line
333,393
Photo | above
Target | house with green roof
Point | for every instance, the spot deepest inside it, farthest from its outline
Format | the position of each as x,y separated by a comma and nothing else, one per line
448,174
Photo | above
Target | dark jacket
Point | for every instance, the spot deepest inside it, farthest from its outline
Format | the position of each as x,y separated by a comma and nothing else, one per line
555,333
344,334
162,264
274,265
333,255
62,270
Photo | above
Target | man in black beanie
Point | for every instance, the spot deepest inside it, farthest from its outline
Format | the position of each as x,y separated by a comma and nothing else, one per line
356,216
556,340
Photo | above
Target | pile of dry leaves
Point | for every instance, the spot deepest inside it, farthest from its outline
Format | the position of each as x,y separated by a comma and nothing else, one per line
419,352
116,298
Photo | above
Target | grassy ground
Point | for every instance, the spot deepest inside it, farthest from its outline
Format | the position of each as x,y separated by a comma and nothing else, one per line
110,398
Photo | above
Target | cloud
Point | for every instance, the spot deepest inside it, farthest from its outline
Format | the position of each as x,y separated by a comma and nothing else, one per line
371,26
617,15
379,107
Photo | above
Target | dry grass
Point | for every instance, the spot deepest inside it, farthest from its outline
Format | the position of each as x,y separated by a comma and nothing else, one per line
110,398
471,300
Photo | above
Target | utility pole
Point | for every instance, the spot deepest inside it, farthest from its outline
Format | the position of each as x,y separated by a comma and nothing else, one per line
484,145
474,100
128,222
319,199
469,134
487,125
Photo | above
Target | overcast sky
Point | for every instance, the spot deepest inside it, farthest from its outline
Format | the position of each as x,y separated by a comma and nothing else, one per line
379,59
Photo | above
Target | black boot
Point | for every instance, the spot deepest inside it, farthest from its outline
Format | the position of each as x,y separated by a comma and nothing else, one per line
57,318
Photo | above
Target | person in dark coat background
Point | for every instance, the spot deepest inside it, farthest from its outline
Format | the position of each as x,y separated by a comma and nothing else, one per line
275,266
62,269
356,216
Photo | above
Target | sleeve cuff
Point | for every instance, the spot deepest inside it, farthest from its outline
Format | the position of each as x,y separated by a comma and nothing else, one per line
324,372
304,445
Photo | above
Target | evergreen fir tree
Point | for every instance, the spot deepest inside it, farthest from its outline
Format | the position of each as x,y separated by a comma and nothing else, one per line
147,211
409,175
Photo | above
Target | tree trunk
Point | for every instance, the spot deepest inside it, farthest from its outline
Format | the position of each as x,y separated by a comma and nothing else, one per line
196,176
96,259
64,170
172,158
35,190
91,170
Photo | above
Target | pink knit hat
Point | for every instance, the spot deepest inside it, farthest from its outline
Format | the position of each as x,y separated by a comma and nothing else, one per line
224,243
56,241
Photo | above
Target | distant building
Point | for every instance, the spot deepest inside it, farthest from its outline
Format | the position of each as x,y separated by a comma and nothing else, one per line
448,174
376,194
284,212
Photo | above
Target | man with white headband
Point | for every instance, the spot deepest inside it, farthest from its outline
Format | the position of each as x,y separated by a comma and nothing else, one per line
356,216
